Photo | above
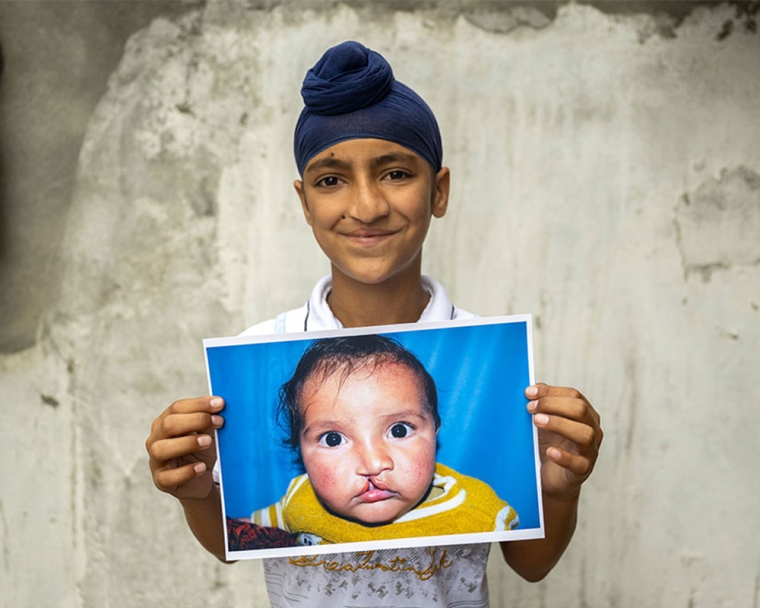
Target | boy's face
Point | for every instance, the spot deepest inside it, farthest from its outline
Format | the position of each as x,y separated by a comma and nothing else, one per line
369,443
369,203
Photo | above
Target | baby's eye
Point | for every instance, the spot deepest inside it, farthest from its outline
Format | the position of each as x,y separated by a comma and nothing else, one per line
400,429
331,439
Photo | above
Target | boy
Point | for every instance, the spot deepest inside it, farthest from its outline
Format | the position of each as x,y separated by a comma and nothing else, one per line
369,154
363,413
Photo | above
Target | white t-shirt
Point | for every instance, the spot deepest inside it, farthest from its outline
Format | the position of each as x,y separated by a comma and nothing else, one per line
450,576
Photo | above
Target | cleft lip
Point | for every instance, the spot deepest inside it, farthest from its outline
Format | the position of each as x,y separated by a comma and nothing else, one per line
375,491
378,484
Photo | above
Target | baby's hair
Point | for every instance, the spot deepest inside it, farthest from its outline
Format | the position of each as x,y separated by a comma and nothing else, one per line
347,354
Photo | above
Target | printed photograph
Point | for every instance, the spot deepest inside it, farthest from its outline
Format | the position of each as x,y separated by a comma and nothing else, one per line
384,437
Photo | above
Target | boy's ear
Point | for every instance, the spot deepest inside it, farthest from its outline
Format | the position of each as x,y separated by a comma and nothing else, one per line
440,200
298,185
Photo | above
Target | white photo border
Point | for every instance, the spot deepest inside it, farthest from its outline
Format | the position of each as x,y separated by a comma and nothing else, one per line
238,351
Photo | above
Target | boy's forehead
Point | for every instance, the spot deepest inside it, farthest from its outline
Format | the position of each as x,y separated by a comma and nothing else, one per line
361,151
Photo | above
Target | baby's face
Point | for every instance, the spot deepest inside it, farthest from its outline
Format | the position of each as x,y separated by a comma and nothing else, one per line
368,445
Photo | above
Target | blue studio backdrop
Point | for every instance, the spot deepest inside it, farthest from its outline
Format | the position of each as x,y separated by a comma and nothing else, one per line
481,372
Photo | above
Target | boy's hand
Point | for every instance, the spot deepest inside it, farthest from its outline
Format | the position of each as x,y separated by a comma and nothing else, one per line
569,436
181,447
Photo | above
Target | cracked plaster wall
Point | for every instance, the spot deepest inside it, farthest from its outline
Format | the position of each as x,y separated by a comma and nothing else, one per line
605,178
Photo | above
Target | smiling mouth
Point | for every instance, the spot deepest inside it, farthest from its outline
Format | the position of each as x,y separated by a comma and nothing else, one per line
373,493
370,236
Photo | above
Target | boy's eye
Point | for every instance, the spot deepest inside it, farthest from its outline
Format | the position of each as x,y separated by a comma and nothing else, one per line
396,175
328,182
400,429
332,439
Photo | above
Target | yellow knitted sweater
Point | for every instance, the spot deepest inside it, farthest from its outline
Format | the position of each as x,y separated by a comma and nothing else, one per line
461,505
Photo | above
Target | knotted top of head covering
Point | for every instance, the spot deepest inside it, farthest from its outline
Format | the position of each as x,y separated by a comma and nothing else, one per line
351,93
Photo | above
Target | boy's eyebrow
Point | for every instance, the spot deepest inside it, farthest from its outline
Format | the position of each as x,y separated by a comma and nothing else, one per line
331,162
394,157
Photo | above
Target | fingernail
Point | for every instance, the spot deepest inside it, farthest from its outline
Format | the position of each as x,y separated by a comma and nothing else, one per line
216,402
531,391
199,468
217,420
542,419
204,440
532,405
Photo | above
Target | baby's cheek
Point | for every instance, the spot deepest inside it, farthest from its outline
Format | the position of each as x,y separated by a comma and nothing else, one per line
326,480
424,456
323,479
426,466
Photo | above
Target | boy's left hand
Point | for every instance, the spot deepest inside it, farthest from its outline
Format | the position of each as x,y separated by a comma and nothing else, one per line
569,436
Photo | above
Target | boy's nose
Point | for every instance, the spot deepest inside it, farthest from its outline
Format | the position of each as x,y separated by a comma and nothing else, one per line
373,460
368,203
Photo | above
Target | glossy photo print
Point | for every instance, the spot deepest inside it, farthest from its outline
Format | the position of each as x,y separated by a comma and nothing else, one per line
384,437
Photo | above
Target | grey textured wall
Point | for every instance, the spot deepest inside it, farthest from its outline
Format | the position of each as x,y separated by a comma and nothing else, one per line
606,177
58,56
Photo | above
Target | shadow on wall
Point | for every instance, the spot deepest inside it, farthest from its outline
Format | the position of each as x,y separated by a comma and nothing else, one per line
57,59
3,190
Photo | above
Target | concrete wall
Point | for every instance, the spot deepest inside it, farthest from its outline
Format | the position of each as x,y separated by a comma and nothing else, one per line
606,177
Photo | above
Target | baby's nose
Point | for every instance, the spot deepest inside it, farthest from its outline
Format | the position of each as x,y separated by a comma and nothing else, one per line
374,460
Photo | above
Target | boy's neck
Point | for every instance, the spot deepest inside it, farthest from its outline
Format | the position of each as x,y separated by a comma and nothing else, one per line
399,299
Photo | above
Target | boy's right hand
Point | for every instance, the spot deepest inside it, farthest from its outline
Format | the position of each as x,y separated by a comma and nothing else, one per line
181,447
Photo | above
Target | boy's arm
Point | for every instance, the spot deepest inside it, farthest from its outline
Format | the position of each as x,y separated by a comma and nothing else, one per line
182,455
569,436
204,517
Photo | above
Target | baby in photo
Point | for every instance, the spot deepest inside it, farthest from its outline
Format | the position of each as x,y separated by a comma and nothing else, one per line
362,411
